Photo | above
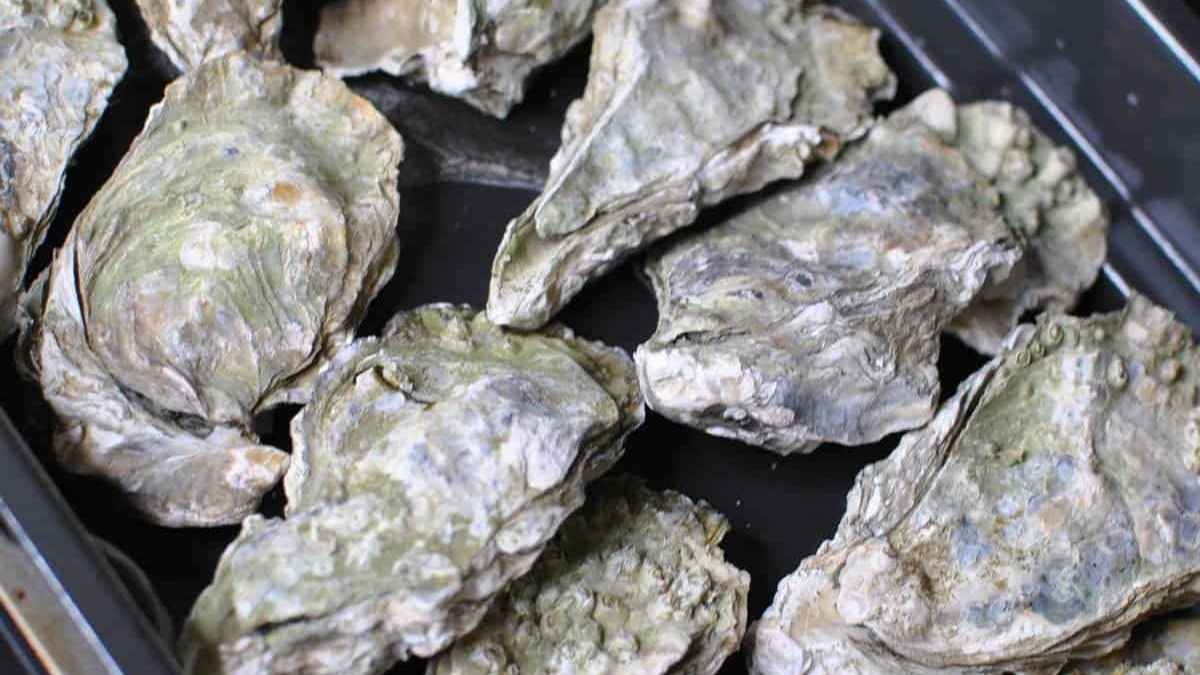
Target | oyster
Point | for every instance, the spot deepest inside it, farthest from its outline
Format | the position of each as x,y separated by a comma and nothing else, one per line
430,469
635,582
814,315
59,62
1051,505
191,32
239,239
1059,220
481,52
688,102
1165,646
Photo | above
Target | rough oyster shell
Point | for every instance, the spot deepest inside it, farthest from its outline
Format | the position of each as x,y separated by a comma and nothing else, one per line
191,32
635,582
239,239
688,102
430,469
59,61
1166,646
481,52
1059,220
814,315
1050,505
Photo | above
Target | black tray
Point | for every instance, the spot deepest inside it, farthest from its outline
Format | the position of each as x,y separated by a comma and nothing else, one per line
1112,78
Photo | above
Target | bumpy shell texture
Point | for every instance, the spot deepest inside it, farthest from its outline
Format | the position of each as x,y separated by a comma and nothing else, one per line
688,102
59,61
191,32
1061,223
1051,504
239,239
482,51
814,315
431,468
634,583
1165,646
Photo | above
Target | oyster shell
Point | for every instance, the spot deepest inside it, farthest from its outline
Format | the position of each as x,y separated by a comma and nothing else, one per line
59,62
688,102
1051,505
814,315
635,582
481,52
430,469
239,239
191,32
1165,646
1059,220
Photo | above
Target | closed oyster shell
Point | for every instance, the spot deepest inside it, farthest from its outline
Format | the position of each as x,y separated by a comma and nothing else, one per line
1061,223
239,239
481,52
430,469
1051,505
191,32
59,62
688,102
1165,646
635,582
814,315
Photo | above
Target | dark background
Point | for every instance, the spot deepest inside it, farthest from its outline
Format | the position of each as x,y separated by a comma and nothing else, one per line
780,508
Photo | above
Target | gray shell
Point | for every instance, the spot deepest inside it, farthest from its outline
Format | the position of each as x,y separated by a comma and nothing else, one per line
635,583
688,102
1165,646
482,51
59,62
1051,505
430,469
814,315
239,239
1061,223
191,32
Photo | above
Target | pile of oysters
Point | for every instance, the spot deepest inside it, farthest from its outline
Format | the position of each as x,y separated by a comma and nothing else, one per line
446,488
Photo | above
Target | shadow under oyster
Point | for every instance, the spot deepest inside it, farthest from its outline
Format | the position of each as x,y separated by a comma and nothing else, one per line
59,62
635,582
688,103
431,468
814,315
1051,505
237,242
481,52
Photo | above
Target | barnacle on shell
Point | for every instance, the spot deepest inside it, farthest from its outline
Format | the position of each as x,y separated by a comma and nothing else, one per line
1060,222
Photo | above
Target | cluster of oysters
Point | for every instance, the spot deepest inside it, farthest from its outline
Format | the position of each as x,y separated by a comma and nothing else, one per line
444,488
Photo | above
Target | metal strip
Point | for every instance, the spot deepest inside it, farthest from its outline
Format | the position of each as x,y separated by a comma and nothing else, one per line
1084,145
85,586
